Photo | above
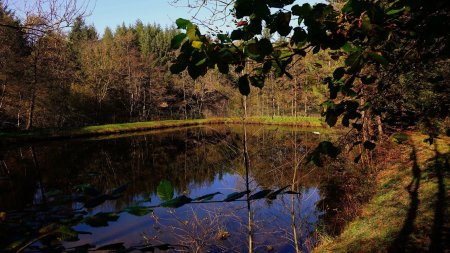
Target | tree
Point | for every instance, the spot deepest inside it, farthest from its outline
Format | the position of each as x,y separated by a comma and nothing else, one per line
50,15
42,19
100,68
376,39
80,33
13,49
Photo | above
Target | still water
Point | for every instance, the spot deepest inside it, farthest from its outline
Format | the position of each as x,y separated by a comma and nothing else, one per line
193,161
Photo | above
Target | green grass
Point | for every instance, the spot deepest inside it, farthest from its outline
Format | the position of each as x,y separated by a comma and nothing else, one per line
390,219
90,131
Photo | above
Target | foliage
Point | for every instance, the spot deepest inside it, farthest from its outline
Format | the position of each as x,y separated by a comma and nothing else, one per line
57,218
380,42
80,78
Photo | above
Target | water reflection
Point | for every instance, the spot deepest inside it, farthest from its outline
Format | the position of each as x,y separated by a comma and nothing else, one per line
196,161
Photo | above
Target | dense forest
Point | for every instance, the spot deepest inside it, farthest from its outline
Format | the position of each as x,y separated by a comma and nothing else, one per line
75,77
72,76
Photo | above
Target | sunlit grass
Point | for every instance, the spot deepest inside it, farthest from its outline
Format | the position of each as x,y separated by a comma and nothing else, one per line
89,131
390,210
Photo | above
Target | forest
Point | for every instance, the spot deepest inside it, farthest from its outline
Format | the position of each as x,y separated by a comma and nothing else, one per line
304,127
75,77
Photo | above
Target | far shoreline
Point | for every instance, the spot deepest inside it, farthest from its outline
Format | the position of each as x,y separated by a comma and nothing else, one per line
110,129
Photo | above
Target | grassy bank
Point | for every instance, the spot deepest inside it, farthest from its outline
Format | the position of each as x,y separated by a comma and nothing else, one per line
409,211
90,131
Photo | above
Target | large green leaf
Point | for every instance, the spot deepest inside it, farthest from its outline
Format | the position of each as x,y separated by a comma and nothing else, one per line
120,189
207,197
165,190
339,73
101,219
223,38
237,34
181,64
267,66
259,195
299,35
176,41
273,195
265,46
329,149
279,3
331,118
93,202
195,70
353,59
193,33
257,81
183,23
87,189
349,48
261,10
223,68
395,11
177,68
68,234
253,50
243,8
138,210
324,148
369,145
177,202
244,86
282,22
235,195
301,11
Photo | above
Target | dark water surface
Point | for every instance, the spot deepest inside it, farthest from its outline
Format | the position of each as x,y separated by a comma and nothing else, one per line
196,161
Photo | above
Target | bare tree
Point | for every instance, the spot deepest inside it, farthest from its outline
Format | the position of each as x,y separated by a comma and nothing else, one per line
46,16
212,14
40,19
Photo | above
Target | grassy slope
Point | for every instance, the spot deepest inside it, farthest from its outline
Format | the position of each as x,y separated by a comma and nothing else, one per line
144,126
408,212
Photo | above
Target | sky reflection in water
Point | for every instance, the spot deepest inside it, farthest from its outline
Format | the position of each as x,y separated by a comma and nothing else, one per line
197,161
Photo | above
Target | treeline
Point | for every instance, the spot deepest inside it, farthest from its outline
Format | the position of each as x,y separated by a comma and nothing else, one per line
71,78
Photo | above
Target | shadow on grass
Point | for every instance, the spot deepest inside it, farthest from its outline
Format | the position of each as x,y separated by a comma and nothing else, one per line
408,239
438,236
400,243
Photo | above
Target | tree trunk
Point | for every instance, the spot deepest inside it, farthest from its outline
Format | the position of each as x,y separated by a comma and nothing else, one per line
295,97
3,93
380,126
33,95
273,102
31,107
184,101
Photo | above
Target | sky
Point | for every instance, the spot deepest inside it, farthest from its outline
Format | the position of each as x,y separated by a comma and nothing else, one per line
115,12
103,13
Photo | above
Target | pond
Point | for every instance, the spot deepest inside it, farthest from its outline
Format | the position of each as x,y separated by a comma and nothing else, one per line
274,201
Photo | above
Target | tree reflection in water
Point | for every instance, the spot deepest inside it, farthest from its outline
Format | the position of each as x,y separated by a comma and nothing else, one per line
196,161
